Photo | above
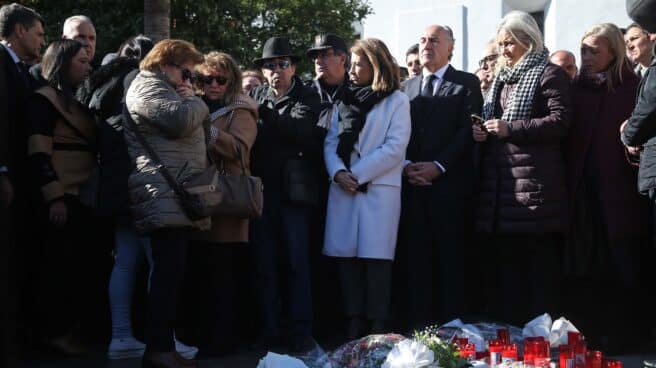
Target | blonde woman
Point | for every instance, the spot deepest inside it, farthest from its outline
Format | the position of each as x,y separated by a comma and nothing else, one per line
364,156
224,251
522,204
609,222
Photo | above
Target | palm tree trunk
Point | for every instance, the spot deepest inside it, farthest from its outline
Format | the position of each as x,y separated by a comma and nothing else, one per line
157,19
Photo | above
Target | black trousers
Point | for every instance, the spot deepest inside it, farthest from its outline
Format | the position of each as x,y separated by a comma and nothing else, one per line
431,252
523,275
72,274
221,308
6,308
366,287
169,250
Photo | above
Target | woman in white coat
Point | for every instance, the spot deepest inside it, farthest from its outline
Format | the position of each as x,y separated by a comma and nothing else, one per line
364,156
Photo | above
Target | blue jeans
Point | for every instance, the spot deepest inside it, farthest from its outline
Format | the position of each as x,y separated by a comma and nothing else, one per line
131,249
283,235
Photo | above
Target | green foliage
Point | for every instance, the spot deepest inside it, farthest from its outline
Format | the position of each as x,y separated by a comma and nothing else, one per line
239,27
446,355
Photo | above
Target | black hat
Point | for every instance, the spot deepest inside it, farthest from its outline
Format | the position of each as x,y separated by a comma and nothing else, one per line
276,47
326,41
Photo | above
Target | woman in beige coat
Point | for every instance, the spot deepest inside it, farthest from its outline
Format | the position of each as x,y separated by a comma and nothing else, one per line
222,252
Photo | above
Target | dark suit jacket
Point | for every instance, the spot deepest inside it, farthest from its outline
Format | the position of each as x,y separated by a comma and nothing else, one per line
14,91
441,128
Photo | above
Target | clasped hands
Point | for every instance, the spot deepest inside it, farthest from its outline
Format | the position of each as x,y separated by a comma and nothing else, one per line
347,181
421,173
633,151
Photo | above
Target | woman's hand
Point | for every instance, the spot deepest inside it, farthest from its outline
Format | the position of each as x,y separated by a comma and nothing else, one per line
347,181
479,134
58,213
497,127
185,89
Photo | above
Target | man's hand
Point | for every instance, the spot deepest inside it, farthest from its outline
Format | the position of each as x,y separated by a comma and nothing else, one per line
634,151
6,190
58,213
347,181
422,173
497,127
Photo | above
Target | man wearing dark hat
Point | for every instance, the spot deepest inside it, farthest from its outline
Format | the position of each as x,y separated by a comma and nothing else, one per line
286,155
331,62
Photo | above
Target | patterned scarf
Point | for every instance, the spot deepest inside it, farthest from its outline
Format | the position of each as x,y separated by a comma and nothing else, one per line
527,76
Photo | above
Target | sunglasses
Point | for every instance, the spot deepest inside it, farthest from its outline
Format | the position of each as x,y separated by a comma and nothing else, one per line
282,64
186,73
207,79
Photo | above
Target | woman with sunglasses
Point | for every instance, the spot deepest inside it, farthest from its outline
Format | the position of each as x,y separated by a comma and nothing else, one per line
162,106
221,253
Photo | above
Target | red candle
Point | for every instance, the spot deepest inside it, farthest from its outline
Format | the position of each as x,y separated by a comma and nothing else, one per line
573,338
468,351
611,363
565,356
593,359
509,354
460,341
496,349
543,355
531,347
579,354
503,335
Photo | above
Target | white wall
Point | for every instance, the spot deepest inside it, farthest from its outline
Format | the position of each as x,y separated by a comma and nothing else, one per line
400,23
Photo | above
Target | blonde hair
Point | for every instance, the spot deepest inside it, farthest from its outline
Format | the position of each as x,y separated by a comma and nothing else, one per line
170,52
524,30
386,71
616,46
220,61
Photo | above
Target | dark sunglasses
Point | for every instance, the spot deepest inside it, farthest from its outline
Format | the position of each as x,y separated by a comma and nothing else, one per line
207,79
186,73
271,65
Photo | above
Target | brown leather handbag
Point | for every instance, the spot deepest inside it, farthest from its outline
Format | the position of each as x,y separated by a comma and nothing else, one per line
243,194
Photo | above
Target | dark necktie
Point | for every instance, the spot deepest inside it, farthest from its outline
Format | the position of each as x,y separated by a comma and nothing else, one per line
427,90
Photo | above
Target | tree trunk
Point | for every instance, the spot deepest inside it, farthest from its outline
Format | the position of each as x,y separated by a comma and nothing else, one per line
157,19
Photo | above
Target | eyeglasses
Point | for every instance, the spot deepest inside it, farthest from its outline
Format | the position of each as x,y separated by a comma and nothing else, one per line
282,64
186,73
487,59
322,54
207,79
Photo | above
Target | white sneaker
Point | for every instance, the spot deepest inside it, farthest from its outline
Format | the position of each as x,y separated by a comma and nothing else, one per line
187,352
125,348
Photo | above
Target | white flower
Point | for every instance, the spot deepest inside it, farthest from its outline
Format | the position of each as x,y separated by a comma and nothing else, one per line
409,354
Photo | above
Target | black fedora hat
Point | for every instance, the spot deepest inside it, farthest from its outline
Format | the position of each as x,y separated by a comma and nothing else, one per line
276,47
324,42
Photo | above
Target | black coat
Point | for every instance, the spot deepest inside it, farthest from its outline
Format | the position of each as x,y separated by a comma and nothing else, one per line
441,129
14,91
641,129
104,94
292,138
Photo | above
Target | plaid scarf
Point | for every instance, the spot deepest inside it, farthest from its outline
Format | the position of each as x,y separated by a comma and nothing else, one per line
527,76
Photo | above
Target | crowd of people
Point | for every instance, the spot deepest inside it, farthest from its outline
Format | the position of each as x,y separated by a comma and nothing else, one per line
404,201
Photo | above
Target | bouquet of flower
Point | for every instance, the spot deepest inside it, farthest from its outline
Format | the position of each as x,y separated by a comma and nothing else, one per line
444,353
367,352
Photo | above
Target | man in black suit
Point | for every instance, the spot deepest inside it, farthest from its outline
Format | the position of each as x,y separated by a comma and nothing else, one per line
438,181
21,31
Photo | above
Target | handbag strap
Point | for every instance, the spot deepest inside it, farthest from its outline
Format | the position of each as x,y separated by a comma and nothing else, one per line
177,188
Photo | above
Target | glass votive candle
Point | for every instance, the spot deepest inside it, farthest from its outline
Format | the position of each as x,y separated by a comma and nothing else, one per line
468,351
611,363
580,350
573,338
565,356
531,347
503,335
496,349
460,341
543,355
593,359
509,354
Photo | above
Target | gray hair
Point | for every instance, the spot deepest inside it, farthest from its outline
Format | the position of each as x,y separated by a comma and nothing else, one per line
71,21
524,29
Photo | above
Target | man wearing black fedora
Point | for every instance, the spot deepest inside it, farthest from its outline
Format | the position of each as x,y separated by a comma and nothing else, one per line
331,63
286,155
